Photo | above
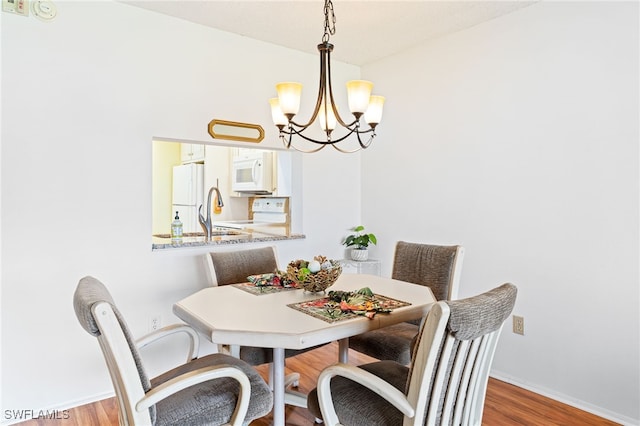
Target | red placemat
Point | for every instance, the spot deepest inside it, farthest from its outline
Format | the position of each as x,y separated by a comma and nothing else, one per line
319,308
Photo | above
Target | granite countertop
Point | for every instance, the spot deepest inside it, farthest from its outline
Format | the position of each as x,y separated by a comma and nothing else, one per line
163,241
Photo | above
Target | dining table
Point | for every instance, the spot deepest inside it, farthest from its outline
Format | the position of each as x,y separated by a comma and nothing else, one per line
279,319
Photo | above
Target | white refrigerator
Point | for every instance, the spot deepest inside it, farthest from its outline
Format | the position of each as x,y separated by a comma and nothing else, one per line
188,193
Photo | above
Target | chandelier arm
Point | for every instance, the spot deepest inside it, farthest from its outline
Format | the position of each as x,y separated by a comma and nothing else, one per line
323,48
366,145
346,151
351,131
362,145
301,127
350,126
310,151
285,142
362,132
289,145
333,105
293,131
358,133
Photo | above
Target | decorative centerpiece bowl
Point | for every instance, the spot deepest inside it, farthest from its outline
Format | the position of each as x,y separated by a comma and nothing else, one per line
316,275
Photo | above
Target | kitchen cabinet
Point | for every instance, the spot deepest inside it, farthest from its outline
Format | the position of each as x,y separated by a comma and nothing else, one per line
191,152
244,153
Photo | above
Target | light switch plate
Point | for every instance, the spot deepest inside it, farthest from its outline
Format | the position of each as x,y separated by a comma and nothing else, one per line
19,7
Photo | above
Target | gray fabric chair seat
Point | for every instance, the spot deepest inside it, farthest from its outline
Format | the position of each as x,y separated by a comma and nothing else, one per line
210,402
357,405
387,343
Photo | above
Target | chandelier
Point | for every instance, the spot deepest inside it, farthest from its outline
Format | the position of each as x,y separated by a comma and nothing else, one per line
361,103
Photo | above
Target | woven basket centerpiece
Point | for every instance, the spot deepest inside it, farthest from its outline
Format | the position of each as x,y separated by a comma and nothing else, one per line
316,275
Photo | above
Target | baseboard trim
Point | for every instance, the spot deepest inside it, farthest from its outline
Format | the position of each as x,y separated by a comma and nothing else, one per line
565,399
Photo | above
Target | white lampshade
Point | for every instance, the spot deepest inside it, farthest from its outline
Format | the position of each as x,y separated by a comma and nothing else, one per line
373,115
328,120
358,93
289,97
279,119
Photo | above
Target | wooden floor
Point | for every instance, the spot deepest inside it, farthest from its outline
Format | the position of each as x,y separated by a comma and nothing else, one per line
506,405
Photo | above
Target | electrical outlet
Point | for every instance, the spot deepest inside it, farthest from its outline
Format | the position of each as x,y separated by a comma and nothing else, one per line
155,323
518,325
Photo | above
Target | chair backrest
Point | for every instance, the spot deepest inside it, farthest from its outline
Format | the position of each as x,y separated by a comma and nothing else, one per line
98,315
451,362
232,267
437,267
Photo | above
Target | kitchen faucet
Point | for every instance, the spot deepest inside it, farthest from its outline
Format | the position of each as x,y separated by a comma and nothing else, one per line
206,223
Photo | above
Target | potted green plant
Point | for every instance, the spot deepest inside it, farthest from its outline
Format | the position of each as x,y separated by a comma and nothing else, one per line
359,242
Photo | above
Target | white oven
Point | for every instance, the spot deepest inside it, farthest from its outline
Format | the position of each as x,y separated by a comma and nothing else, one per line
253,173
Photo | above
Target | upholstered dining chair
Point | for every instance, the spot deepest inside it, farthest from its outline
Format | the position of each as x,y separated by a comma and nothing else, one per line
213,390
435,266
446,382
233,267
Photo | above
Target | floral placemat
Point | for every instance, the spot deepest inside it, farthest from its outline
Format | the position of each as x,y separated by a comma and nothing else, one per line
267,283
340,306
260,290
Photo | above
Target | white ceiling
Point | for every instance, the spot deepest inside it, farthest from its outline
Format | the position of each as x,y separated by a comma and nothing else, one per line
366,30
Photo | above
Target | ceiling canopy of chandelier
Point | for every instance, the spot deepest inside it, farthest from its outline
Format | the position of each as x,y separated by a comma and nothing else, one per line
361,103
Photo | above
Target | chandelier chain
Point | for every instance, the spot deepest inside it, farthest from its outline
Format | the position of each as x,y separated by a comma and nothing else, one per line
329,24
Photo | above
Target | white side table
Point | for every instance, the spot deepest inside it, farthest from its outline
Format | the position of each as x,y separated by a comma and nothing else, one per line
370,266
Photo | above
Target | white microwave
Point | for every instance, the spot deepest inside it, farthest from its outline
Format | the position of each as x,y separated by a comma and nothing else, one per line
253,174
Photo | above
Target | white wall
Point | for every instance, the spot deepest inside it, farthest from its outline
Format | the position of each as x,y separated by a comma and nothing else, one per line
82,98
518,138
